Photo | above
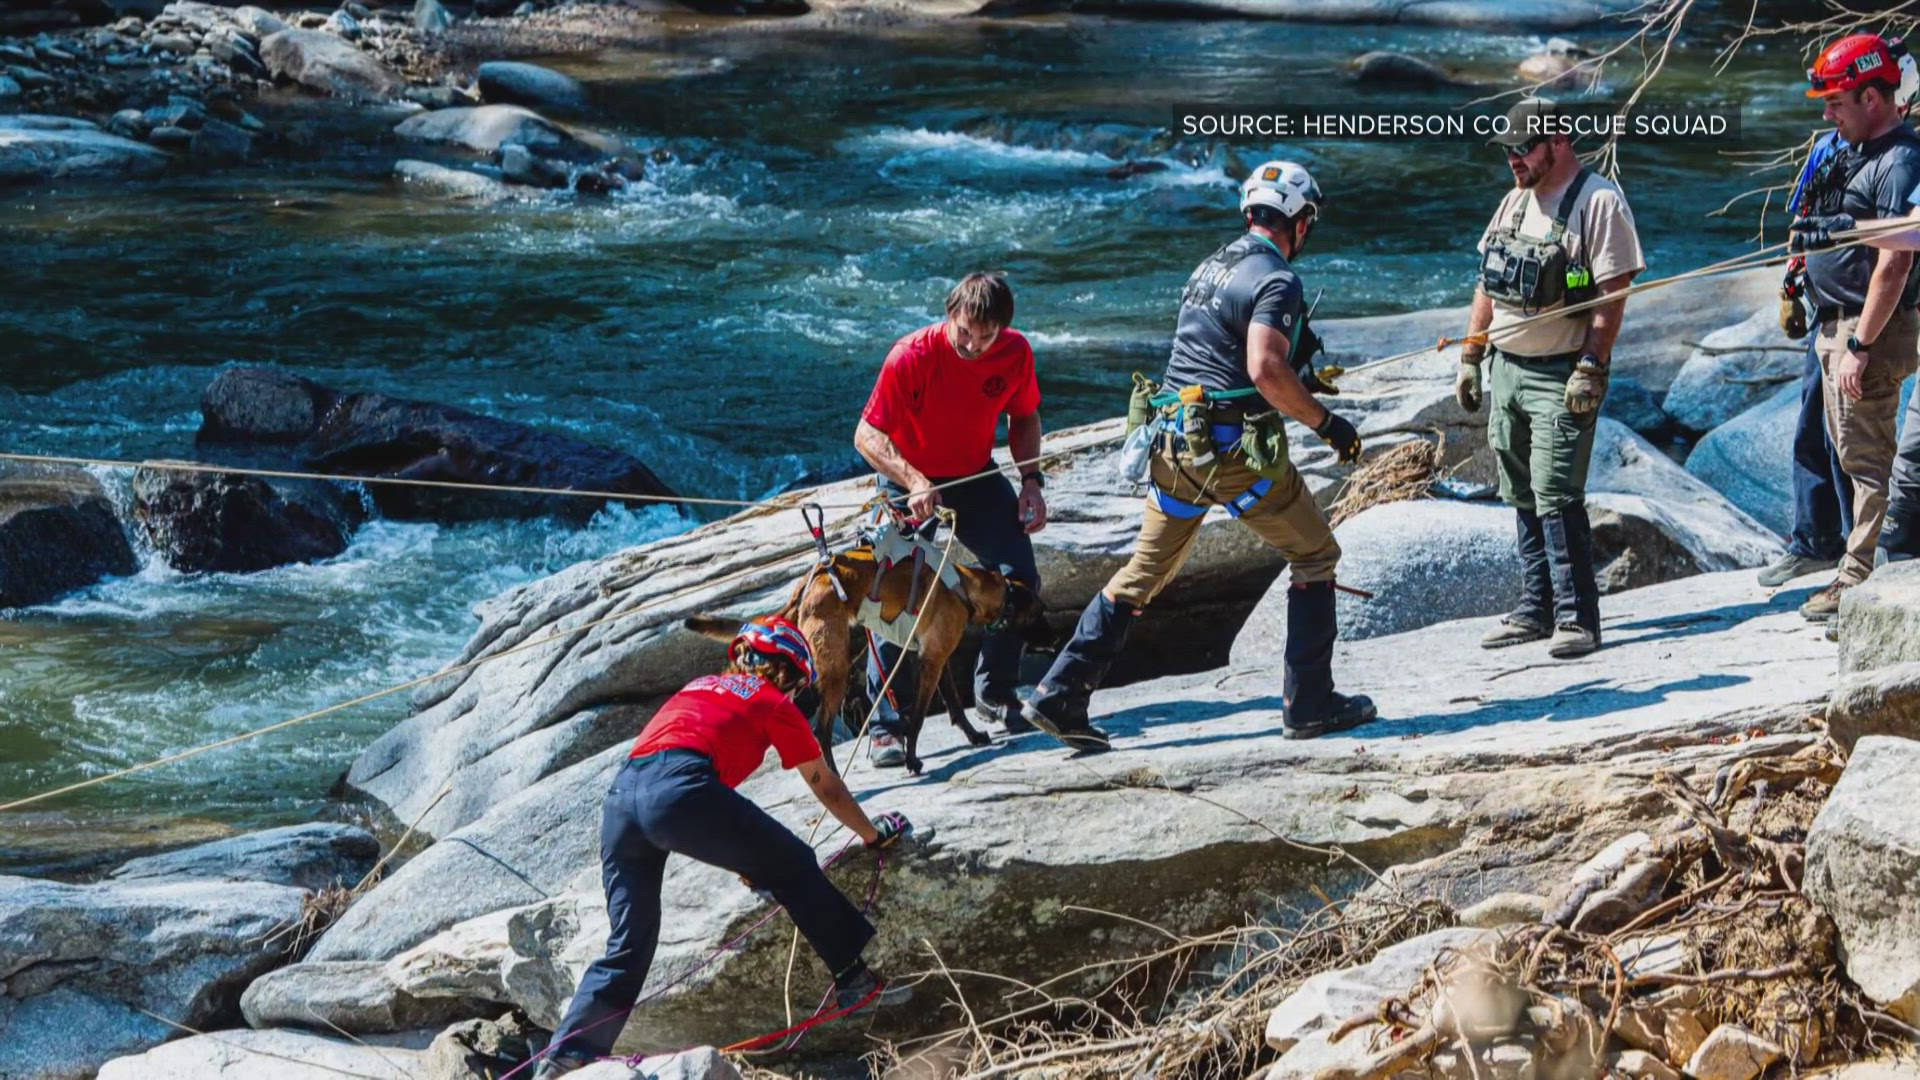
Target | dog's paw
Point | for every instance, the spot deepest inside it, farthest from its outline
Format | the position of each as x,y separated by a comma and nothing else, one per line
979,738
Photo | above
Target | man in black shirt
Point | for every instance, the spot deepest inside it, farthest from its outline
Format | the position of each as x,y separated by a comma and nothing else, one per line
1217,441
1864,298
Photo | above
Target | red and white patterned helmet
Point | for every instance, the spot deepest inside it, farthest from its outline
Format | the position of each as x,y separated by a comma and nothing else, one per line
775,635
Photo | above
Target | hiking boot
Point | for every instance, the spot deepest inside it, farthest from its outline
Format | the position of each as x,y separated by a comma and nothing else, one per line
1062,713
557,1065
1514,629
1571,640
1002,714
1790,566
886,751
1343,712
1825,604
868,987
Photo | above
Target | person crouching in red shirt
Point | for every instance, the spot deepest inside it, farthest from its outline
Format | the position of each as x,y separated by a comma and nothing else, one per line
931,419
675,794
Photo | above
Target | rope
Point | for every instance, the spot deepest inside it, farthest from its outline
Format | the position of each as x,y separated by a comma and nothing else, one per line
775,503
1750,261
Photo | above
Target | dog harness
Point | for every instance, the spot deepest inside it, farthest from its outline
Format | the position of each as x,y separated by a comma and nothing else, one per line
892,545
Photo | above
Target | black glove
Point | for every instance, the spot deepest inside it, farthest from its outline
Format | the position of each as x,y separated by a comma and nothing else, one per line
1815,232
1338,433
890,826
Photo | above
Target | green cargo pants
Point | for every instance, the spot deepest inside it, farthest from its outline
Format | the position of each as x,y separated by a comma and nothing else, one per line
1543,447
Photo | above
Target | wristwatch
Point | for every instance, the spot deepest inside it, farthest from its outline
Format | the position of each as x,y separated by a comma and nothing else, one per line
1854,344
1037,477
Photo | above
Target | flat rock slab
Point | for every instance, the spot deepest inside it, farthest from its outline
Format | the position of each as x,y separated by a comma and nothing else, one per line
313,857
282,1055
1475,746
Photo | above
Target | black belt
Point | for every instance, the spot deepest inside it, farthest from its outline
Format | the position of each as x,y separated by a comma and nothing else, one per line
1828,314
1550,358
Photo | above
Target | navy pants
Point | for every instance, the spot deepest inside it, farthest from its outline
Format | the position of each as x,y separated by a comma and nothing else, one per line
987,522
674,801
1822,494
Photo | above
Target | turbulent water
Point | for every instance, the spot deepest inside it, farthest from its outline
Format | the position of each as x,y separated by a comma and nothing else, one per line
814,198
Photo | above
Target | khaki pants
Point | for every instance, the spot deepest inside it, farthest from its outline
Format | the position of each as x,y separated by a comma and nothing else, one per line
1285,516
1863,431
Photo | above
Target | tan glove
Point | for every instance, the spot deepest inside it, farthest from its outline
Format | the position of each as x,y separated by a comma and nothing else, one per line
1466,385
1587,385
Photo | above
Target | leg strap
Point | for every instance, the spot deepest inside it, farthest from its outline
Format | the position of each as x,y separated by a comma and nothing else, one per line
1244,501
1172,507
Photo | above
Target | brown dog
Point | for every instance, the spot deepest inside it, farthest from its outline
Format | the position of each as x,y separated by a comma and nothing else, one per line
985,597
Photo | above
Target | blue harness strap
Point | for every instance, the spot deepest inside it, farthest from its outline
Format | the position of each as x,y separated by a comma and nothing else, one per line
1172,507
1244,501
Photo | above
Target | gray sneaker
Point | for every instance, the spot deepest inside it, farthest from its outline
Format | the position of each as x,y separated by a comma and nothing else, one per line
1570,641
1514,629
886,752
1790,566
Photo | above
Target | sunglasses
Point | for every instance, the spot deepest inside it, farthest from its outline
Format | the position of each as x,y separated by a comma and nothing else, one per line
1525,148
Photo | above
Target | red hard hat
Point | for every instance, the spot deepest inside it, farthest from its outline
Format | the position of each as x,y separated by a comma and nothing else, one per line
1854,60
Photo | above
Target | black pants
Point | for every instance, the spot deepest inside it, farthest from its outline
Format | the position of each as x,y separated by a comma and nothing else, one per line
674,801
986,517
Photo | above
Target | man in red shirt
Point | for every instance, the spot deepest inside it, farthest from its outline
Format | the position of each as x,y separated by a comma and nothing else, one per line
676,794
932,419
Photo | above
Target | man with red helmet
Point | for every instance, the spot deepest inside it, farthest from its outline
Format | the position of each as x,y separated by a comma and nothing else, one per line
675,794
1864,298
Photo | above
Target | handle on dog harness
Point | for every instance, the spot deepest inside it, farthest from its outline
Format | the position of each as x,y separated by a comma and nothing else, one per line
815,517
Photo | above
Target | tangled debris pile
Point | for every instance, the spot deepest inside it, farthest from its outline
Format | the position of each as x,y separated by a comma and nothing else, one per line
1692,950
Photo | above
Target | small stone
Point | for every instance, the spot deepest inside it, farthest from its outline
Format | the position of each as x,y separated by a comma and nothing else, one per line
1504,1060
170,137
256,21
1663,954
174,43
129,25
1732,1053
342,24
29,77
16,54
1640,1065
58,55
356,9
525,9
1685,1032
1643,1027
431,17
131,123
8,88
219,139
1505,909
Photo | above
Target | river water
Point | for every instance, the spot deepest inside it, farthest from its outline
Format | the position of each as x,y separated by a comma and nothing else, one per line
816,195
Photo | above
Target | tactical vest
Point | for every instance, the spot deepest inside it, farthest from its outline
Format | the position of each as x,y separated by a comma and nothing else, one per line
1827,192
1537,274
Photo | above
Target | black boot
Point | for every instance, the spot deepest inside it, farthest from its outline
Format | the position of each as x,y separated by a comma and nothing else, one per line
1059,704
1314,708
1532,619
1576,594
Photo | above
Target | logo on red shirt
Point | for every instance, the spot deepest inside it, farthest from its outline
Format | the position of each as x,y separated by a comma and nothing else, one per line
994,386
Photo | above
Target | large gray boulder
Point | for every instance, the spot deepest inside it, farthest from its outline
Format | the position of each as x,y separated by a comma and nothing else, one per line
460,184
1429,561
58,532
1879,621
1471,742
1732,370
229,522
487,128
85,965
1749,459
36,149
1883,701
1863,869
316,856
513,82
332,65
282,1055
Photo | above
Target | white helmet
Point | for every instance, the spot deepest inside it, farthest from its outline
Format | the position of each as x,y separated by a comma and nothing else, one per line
1282,185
